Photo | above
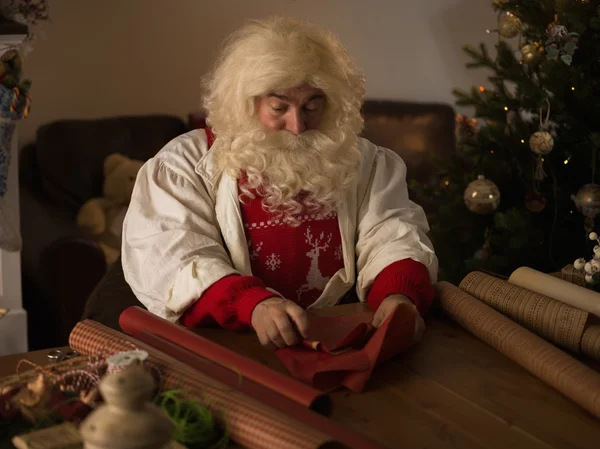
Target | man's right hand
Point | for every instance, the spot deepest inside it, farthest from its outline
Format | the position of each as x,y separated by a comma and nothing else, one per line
277,322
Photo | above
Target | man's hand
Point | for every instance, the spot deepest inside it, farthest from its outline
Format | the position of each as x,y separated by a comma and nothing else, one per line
277,322
388,306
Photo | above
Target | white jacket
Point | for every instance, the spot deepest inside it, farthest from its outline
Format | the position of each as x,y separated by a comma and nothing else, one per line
183,230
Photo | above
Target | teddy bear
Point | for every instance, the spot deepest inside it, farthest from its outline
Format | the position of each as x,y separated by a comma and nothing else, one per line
102,218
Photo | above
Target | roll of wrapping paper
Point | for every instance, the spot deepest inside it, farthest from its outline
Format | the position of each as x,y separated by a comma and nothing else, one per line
250,423
282,404
136,320
572,275
590,342
559,289
551,319
541,358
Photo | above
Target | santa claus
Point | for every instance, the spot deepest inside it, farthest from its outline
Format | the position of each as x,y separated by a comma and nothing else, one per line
278,206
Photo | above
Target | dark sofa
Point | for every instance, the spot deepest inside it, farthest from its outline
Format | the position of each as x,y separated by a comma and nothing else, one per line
59,172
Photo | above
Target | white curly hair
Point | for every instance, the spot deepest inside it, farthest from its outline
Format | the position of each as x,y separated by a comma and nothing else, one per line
290,172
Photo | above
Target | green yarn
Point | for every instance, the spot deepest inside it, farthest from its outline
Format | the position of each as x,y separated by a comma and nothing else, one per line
195,425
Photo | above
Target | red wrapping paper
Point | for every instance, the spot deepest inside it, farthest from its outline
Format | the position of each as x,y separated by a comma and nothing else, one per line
284,405
250,423
334,334
136,320
351,368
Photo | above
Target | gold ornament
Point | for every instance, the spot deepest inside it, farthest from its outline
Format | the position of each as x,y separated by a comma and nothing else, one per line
509,25
482,196
541,142
531,53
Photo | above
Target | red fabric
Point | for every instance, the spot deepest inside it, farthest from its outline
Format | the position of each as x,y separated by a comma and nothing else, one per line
406,277
295,261
354,367
228,302
336,334
210,137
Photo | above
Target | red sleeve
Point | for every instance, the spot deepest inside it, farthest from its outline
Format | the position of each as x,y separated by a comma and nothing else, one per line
229,302
405,277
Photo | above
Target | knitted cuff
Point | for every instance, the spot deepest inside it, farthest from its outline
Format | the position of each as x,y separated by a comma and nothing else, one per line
405,277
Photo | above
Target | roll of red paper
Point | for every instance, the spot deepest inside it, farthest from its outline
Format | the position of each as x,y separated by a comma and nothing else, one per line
136,320
308,418
250,423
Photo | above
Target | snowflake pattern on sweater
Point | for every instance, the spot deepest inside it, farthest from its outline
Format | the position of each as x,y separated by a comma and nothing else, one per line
297,262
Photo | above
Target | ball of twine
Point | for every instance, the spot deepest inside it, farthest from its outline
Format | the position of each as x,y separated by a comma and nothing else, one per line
195,424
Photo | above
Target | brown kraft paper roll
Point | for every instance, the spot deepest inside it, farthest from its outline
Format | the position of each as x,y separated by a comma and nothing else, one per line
553,320
251,424
542,359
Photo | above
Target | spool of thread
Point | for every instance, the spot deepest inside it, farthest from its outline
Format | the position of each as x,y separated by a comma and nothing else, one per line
121,360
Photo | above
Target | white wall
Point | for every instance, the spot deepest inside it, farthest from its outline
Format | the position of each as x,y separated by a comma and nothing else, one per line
113,57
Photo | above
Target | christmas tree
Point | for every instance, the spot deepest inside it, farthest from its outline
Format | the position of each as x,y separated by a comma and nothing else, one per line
521,187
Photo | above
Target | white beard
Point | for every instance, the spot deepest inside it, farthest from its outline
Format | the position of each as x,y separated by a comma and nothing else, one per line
293,174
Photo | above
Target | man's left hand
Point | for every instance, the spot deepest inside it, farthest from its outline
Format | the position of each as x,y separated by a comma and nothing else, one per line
387,307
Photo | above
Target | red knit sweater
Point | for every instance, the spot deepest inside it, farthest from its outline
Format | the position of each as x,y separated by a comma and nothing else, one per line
297,262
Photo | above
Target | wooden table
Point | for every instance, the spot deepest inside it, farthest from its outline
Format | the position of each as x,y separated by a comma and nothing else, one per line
449,391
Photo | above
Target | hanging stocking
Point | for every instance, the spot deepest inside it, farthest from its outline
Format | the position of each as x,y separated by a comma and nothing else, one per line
13,106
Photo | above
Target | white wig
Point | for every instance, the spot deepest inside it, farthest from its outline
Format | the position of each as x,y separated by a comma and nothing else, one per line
277,54
281,53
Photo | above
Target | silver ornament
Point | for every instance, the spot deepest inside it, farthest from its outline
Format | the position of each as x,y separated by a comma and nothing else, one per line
556,31
482,196
541,142
587,200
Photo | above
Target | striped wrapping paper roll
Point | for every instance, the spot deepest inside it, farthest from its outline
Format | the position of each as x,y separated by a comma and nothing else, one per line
553,320
251,423
570,377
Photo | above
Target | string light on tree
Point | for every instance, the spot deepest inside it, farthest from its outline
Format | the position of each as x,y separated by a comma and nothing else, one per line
482,196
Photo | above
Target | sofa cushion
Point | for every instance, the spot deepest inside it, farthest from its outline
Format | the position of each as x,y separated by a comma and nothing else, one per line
414,131
70,153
